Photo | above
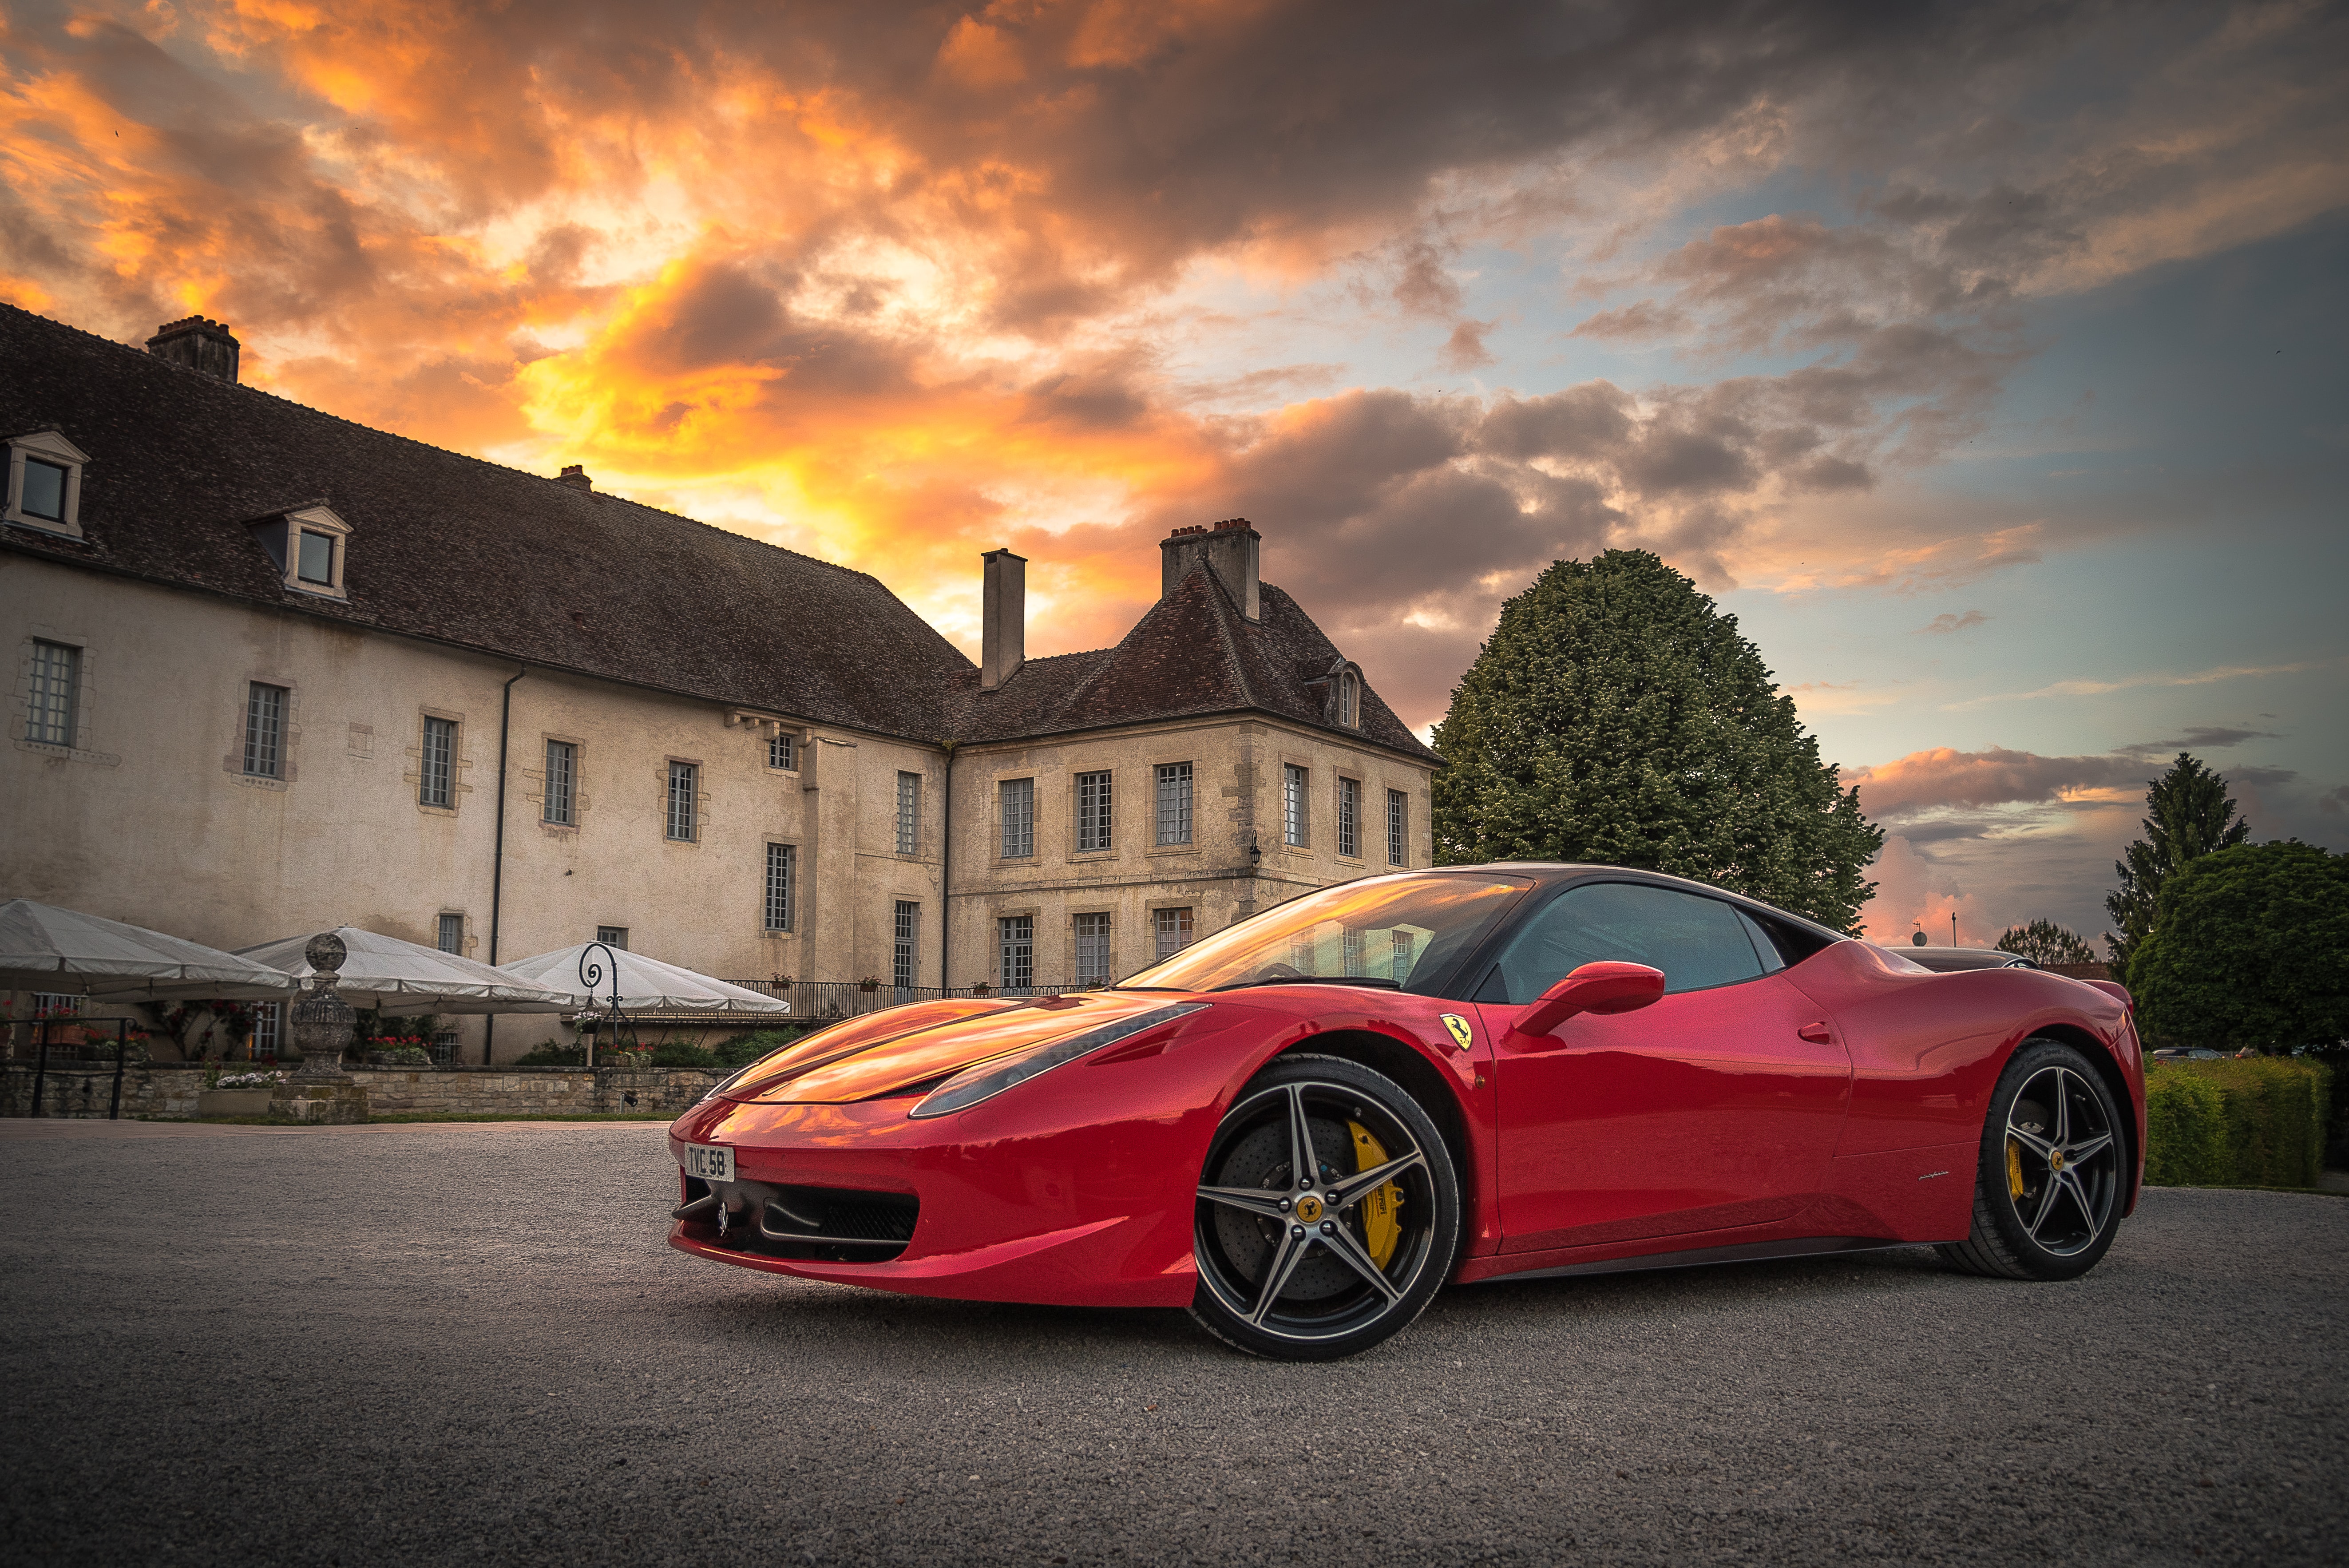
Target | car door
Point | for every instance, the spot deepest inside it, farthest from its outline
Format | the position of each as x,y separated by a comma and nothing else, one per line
1715,1107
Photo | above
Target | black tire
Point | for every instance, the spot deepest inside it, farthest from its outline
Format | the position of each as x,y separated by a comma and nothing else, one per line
1319,1242
2052,1173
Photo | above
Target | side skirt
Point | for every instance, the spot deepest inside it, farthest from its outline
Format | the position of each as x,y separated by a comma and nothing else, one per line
1697,1257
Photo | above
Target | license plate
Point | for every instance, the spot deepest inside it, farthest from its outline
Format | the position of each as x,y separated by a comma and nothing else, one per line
706,1164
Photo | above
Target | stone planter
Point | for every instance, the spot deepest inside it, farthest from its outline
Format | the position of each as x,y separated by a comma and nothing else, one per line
233,1102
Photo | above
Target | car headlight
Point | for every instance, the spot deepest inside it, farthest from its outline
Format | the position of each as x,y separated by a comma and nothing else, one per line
992,1078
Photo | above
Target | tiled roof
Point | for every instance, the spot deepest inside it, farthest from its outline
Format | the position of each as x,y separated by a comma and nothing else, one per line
1192,655
531,569
459,549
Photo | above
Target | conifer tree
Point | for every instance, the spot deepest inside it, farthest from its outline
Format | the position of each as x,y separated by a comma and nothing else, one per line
1615,716
2188,815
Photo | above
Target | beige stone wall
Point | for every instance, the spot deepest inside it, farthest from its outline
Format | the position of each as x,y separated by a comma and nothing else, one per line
170,1093
1237,800
148,817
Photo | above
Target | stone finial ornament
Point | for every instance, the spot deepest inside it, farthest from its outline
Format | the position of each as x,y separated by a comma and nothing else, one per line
322,1019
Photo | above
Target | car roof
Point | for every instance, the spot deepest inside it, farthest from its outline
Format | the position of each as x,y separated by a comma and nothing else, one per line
1554,873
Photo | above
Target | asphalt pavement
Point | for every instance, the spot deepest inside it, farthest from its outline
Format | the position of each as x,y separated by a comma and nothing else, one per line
468,1344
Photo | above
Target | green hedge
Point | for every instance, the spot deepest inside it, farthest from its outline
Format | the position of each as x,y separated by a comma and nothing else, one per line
2260,1121
743,1050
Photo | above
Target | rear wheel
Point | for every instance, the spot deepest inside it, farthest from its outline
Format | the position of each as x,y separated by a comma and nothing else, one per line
2047,1196
1327,1216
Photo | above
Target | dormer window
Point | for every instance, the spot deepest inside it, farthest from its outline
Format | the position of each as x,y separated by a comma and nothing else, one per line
1341,694
1349,700
307,544
45,483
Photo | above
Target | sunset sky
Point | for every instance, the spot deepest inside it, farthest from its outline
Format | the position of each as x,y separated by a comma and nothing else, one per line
1991,363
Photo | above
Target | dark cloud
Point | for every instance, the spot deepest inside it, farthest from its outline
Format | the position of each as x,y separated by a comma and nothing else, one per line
2196,738
1951,622
1464,350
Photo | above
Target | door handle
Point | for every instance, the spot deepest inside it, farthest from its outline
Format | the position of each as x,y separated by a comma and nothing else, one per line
1815,1033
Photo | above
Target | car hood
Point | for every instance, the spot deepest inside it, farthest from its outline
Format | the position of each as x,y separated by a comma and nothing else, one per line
895,1051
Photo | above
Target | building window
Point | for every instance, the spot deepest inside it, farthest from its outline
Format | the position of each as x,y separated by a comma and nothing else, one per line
1018,797
265,1031
1173,928
436,782
1398,827
783,861
1293,823
1016,943
1092,811
1350,818
44,483
562,784
1349,700
1174,802
1092,950
614,937
453,934
784,752
55,1004
1400,949
314,561
57,675
909,813
1351,942
901,950
682,777
264,731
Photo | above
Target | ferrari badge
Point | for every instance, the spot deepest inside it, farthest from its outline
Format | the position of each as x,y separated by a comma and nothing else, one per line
1462,1036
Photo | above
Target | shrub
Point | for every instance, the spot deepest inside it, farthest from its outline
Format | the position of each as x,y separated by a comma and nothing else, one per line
2259,1121
678,1054
2185,1130
743,1050
403,1057
547,1054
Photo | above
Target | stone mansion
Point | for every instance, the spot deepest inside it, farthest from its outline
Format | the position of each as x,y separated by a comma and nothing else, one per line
276,672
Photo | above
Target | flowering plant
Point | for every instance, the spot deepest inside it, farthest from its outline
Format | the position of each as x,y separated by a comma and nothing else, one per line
246,1081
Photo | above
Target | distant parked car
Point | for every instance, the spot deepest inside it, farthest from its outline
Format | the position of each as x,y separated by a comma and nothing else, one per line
1948,960
2188,1054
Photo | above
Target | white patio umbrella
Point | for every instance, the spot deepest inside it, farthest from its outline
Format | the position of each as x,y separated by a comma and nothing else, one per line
647,984
401,978
44,948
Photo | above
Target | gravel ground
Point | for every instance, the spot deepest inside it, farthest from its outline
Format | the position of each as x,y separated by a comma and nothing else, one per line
467,1343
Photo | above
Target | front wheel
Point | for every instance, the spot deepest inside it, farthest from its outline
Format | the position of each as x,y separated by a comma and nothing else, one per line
2047,1196
1327,1215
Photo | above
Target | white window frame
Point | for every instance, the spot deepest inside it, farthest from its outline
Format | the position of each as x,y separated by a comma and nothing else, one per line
1174,800
442,928
1350,818
909,813
1398,826
276,769
1015,803
320,521
1015,945
613,937
683,810
48,447
783,751
782,873
562,786
1296,806
447,801
1173,928
1092,944
37,711
1096,811
906,945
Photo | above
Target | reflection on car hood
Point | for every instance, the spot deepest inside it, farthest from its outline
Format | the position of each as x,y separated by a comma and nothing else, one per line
891,1052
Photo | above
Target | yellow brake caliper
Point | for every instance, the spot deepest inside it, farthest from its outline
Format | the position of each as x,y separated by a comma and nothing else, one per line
1380,1230
2014,1168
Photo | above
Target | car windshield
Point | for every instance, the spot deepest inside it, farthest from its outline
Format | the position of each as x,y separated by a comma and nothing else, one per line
1406,930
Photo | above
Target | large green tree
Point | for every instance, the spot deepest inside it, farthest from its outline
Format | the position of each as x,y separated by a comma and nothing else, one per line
2250,947
2188,814
2045,942
1615,716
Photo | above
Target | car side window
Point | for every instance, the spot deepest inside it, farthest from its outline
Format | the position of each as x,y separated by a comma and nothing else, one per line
1698,942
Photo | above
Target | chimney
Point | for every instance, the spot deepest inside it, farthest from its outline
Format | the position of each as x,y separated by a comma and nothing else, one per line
1229,550
199,345
1003,631
575,476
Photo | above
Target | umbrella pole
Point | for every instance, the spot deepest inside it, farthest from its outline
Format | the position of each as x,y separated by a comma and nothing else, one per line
121,1043
40,1061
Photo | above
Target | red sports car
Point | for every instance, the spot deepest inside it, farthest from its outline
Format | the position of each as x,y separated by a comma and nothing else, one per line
1303,1127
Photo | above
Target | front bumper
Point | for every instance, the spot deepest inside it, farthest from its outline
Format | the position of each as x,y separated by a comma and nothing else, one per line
1042,1203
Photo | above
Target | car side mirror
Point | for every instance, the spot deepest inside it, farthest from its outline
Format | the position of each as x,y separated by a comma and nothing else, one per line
1604,987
